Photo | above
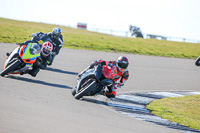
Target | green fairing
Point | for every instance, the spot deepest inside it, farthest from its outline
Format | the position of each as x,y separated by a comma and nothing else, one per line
27,54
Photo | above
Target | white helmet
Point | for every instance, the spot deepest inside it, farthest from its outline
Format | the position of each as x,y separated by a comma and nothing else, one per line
47,48
56,32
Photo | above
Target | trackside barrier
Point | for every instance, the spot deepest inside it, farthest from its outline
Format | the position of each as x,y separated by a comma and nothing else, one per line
146,36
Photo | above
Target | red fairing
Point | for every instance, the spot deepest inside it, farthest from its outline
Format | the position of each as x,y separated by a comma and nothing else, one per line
107,72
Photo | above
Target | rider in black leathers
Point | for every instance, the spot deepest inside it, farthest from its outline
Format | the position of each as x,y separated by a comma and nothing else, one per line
54,37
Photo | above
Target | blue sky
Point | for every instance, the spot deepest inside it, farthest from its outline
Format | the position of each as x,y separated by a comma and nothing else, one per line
171,18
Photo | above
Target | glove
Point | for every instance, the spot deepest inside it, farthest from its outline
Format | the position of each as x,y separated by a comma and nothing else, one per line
96,62
35,39
118,85
48,62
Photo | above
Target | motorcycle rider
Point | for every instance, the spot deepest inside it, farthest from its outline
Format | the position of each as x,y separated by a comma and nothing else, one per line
119,80
55,38
44,59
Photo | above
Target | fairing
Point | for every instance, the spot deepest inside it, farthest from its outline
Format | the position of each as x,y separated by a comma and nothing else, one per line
25,55
21,53
14,53
102,75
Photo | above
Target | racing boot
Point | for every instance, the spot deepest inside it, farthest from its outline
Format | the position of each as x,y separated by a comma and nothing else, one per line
24,72
111,93
34,72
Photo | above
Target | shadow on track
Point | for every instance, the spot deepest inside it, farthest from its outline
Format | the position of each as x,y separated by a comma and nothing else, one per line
38,82
61,71
95,101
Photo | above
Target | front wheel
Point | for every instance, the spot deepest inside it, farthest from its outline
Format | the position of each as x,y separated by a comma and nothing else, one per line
10,68
197,62
73,91
86,89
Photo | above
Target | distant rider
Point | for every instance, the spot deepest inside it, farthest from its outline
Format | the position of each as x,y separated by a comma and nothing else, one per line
119,80
54,37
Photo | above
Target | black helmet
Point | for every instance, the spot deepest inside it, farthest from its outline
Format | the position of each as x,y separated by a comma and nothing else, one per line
122,63
56,32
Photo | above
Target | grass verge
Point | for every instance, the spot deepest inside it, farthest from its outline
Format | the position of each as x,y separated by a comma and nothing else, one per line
13,31
183,110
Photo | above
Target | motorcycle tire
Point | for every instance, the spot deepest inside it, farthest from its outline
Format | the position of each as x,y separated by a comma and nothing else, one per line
86,89
197,62
10,68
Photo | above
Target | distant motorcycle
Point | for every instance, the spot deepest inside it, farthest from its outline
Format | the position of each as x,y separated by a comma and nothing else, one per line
94,81
21,59
136,31
197,62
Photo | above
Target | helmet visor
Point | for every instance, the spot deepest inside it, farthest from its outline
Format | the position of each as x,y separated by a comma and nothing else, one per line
122,65
56,35
46,51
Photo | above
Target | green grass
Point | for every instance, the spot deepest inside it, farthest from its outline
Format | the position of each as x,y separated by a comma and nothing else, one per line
13,31
183,110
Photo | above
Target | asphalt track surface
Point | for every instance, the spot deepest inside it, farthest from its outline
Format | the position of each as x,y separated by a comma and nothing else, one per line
44,104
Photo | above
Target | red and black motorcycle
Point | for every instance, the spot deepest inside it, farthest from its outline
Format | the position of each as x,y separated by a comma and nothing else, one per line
94,81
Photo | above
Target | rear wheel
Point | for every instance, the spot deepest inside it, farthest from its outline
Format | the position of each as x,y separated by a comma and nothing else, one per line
10,68
91,84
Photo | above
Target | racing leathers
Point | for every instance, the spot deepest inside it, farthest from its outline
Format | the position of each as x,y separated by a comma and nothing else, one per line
118,80
40,63
57,42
